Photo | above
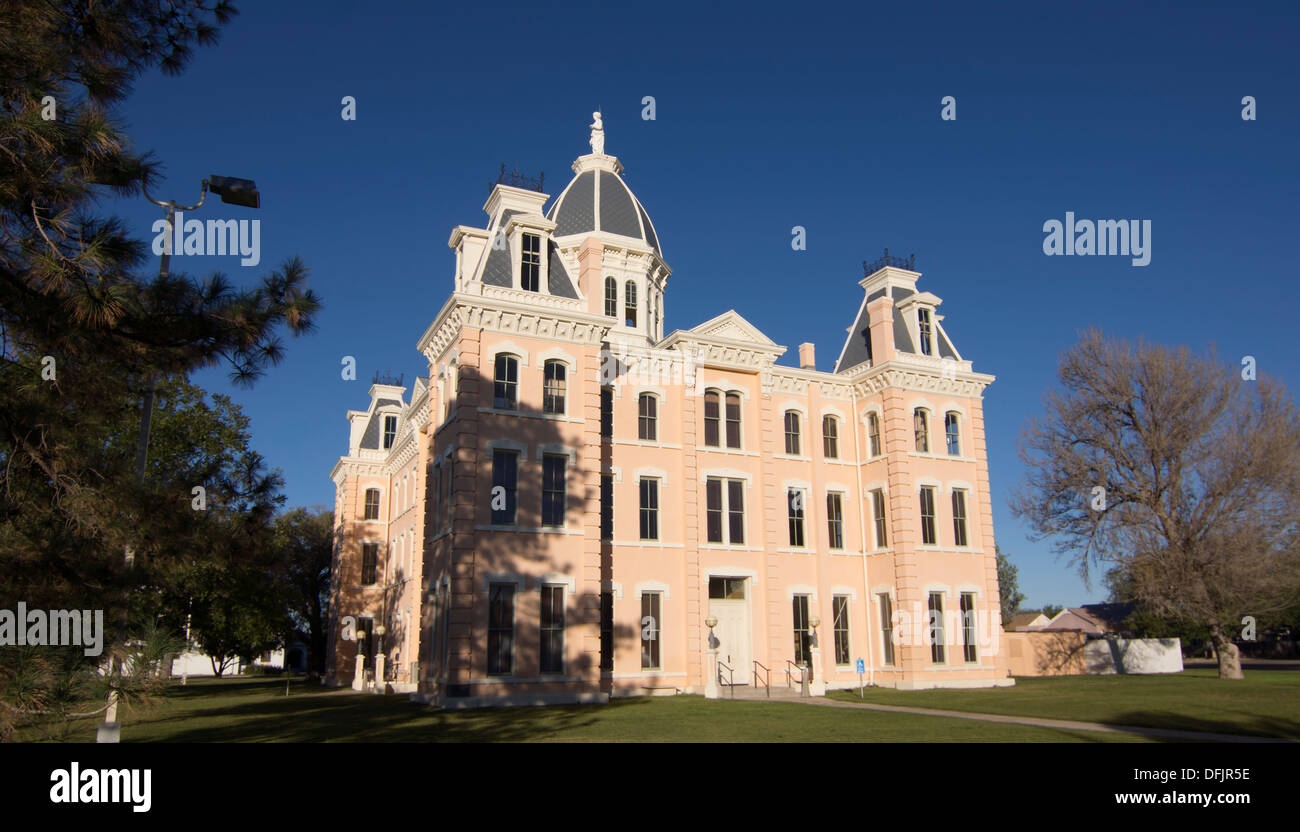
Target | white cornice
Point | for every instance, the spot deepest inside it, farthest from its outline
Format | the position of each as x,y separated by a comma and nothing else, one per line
497,314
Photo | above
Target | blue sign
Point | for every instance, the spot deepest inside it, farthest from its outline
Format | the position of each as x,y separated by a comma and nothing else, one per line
862,667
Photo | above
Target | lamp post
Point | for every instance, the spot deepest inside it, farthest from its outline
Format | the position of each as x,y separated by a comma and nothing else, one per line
234,191
711,684
816,686
359,674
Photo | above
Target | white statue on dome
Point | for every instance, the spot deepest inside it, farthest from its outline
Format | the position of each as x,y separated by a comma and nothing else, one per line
597,135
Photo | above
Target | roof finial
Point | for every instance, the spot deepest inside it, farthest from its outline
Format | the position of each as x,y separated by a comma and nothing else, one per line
597,135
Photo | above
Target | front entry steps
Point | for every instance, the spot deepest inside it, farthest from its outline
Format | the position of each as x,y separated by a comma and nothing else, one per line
750,693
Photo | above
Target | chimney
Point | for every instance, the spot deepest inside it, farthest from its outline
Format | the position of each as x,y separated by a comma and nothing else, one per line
806,359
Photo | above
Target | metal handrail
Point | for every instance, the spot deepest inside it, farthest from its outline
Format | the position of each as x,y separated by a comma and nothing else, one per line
731,676
797,666
767,677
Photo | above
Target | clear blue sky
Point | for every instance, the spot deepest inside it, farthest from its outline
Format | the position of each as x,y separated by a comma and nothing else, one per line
769,116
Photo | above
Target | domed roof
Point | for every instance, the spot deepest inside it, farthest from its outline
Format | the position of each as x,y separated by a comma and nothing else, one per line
597,199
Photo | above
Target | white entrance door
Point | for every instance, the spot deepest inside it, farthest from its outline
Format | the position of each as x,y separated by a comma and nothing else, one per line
734,638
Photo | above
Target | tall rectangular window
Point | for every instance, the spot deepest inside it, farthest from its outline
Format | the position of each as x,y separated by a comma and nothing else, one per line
927,515
873,433
651,627
649,508
952,431
501,628
937,636
711,418
552,629
713,510
923,325
611,297
369,564
802,632
553,471
530,263
887,628
505,487
629,304
733,420
840,610
921,427
554,386
390,431
878,514
372,504
435,477
606,506
448,504
958,517
724,511
794,501
606,412
607,631
736,512
969,651
647,417
835,519
792,433
830,437
505,382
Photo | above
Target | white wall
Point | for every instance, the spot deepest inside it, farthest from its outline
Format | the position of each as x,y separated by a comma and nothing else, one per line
1140,655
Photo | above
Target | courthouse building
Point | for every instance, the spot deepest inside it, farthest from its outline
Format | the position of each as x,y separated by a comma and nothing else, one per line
575,504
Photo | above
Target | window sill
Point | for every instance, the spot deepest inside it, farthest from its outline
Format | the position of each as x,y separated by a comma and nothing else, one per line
526,529
713,449
523,414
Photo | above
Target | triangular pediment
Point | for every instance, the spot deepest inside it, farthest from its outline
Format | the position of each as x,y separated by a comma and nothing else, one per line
732,326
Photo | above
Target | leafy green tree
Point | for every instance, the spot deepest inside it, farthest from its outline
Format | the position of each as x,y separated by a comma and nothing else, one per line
305,546
1008,585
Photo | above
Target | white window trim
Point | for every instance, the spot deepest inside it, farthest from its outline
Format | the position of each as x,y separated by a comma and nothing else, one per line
520,581
845,590
653,586
506,347
556,579
652,473
556,449
804,589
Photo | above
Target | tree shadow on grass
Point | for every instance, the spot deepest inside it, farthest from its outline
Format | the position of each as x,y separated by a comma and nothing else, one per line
352,717
1248,725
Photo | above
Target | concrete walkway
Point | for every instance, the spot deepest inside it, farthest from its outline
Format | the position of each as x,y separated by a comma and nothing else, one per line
1063,724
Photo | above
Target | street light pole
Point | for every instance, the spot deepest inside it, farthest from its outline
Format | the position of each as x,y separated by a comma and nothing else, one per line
231,190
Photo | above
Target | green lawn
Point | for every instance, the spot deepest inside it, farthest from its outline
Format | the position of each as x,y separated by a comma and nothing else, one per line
1265,703
256,710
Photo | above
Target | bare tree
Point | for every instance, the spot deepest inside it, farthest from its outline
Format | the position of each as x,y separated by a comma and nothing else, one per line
1179,471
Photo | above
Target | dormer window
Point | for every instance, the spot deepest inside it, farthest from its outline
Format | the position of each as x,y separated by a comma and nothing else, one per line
390,431
629,306
924,328
530,263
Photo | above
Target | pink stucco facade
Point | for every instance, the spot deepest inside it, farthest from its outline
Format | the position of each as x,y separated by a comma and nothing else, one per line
707,485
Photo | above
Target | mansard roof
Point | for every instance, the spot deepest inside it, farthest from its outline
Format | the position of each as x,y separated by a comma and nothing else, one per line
597,199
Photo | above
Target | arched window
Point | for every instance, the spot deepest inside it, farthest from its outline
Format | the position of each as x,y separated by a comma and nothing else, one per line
952,430
505,387
372,504
921,424
648,417
554,387
712,418
733,420
830,437
611,297
873,433
792,433
629,304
